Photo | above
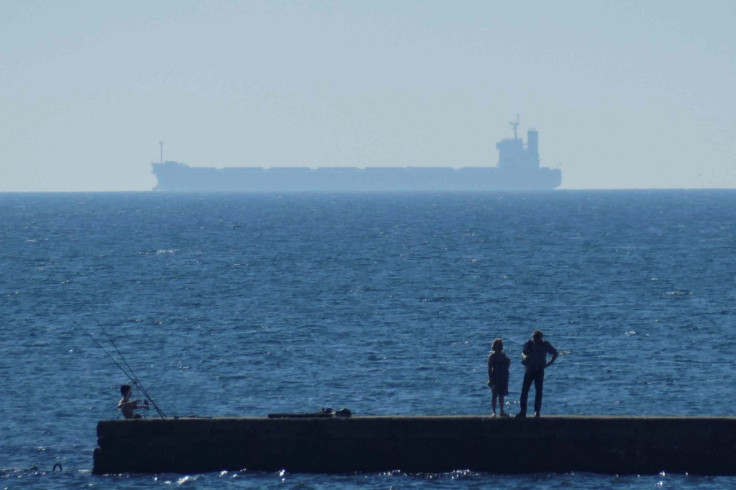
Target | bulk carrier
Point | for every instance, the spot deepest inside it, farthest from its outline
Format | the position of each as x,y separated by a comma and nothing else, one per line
518,169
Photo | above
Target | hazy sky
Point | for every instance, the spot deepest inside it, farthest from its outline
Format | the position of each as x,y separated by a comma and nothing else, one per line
625,94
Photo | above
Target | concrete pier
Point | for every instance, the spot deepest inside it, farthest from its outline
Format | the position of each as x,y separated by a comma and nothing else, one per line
619,445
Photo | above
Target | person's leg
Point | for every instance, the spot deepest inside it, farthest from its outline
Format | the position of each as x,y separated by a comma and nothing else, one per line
525,392
538,391
493,403
500,401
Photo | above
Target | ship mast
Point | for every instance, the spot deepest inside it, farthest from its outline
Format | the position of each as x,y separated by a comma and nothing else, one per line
161,144
515,125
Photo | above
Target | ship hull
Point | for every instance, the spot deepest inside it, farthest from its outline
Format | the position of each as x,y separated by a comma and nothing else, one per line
178,177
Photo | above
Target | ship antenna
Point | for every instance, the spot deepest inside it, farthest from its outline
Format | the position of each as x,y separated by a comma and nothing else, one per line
515,125
161,144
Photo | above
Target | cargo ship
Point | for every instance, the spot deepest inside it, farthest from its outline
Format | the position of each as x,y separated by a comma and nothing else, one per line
518,168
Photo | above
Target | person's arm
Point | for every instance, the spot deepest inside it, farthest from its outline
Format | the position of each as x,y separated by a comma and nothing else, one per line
139,405
490,370
525,352
552,351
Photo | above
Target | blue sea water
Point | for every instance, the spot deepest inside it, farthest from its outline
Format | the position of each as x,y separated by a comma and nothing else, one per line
233,305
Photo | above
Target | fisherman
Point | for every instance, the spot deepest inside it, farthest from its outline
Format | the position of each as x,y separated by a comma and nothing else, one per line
534,358
128,406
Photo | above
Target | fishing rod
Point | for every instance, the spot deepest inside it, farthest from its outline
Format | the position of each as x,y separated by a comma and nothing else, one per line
127,370
136,381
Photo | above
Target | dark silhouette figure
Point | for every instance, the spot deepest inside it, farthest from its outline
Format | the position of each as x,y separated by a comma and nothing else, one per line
128,406
534,358
498,375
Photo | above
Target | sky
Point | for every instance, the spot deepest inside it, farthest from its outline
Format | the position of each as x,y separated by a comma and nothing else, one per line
625,94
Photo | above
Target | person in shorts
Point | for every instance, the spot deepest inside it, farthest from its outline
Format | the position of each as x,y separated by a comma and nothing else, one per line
498,375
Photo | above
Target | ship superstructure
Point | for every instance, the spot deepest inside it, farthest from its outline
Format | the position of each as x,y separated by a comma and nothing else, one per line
514,155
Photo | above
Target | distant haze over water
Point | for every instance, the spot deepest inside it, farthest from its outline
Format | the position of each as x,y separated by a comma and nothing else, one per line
626,94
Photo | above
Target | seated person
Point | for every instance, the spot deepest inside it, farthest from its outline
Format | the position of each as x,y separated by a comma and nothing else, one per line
128,406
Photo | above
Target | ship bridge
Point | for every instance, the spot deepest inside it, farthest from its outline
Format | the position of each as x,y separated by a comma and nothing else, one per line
514,155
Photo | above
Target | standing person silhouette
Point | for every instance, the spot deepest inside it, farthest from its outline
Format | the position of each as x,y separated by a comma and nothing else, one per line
534,358
498,375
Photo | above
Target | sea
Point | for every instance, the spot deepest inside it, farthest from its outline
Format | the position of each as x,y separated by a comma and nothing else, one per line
385,304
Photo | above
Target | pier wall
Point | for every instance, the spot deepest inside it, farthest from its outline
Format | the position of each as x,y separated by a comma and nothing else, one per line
619,445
